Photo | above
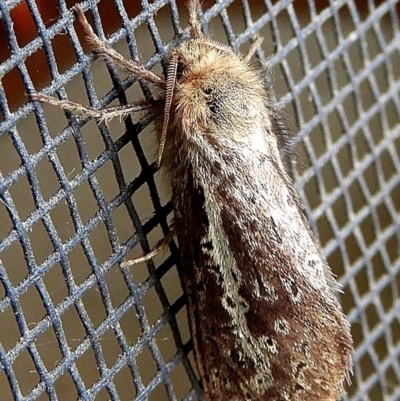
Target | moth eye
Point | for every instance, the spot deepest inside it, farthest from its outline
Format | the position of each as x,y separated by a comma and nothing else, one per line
212,106
179,70
212,98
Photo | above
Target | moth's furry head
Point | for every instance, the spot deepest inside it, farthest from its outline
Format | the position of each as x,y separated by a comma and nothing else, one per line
219,90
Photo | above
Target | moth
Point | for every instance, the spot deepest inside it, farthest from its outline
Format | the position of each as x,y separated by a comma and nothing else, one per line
265,322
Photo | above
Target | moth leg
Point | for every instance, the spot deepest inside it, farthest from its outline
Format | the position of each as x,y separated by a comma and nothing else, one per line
105,114
253,48
131,66
158,248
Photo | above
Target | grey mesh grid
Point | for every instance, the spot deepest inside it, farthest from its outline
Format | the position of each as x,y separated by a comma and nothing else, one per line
73,325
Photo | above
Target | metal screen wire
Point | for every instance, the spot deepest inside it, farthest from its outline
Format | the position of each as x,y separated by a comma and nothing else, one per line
77,197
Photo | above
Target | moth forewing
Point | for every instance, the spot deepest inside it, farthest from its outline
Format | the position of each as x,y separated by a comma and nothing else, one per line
264,320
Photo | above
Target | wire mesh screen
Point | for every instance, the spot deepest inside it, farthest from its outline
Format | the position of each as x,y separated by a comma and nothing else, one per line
78,197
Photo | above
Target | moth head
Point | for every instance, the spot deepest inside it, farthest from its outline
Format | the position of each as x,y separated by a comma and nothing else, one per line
216,91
